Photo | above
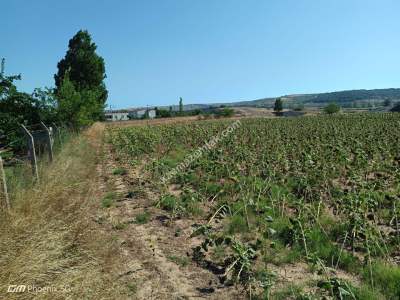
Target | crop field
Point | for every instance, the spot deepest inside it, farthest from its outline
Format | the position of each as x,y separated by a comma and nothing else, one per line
314,195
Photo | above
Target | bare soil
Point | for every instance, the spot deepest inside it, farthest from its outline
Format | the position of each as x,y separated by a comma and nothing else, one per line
156,258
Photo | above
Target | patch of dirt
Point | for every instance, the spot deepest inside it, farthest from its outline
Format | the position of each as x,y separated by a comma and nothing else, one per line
300,273
156,254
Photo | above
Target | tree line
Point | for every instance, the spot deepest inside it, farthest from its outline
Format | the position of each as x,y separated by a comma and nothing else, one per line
77,99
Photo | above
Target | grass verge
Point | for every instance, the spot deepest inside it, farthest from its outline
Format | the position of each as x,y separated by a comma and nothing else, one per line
48,239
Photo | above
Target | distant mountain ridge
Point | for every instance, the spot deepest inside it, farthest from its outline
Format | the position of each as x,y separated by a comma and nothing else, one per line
343,98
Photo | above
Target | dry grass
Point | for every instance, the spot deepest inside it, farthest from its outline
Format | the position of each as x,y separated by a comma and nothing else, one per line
49,239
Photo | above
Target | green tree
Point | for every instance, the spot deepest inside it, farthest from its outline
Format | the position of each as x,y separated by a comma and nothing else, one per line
332,108
46,103
163,113
21,108
146,115
79,108
278,106
226,112
180,106
85,71
7,86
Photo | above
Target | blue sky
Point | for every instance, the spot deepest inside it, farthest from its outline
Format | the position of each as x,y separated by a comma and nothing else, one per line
209,50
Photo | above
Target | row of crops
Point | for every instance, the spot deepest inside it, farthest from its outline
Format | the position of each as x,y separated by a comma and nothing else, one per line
321,190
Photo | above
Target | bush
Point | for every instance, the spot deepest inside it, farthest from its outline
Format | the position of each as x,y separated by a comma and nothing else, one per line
226,112
332,108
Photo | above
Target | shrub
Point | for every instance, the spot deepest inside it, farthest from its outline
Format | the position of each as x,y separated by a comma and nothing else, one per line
227,112
332,108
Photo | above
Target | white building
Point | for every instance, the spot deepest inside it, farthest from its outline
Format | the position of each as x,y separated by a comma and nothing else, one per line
117,115
141,112
129,114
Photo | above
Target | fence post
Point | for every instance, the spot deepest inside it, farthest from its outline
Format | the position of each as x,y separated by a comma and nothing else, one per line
3,175
32,152
49,143
58,131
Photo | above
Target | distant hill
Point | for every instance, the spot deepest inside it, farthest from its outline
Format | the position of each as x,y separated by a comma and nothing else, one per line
351,98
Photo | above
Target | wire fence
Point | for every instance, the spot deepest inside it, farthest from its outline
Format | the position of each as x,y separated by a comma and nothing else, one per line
20,168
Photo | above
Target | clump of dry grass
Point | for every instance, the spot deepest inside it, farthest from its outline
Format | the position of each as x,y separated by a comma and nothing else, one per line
49,239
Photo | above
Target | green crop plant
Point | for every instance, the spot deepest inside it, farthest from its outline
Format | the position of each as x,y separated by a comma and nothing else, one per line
322,190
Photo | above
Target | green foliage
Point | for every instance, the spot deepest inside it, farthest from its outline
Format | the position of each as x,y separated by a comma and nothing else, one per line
85,68
186,204
80,89
21,108
142,218
180,106
119,171
285,190
45,102
278,106
169,203
337,288
299,107
119,226
78,108
132,287
332,108
163,113
146,115
225,112
7,86
386,277
179,260
108,200
237,224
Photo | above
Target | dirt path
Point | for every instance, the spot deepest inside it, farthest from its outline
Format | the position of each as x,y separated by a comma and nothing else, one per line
156,252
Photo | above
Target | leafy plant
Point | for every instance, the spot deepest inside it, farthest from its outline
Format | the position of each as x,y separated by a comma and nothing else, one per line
120,171
108,200
142,218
